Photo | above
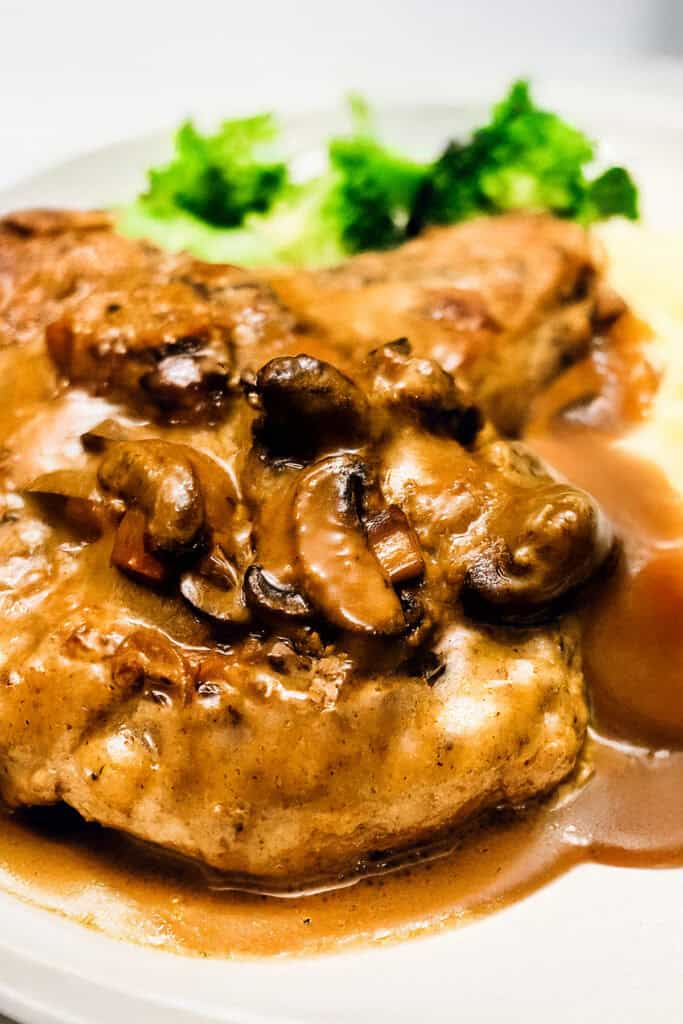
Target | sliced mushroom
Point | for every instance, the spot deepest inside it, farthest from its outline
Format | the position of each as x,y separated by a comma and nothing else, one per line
216,566
159,478
269,488
400,379
395,545
224,604
307,402
339,572
546,544
264,593
155,342
129,552
214,588
192,378
147,662
81,503
222,523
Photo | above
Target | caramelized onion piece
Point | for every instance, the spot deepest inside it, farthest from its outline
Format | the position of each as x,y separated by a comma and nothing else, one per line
129,552
395,545
339,572
264,593
159,478
82,506
65,483
546,545
108,432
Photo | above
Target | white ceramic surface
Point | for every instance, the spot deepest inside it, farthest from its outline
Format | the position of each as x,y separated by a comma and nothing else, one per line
599,945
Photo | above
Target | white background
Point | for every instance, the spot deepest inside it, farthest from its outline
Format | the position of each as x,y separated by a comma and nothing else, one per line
69,68
600,945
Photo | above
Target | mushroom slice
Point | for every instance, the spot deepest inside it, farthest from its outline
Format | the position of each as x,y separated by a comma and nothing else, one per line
306,400
147,662
395,545
193,378
213,599
159,478
213,588
264,593
339,573
401,379
547,543
150,340
129,552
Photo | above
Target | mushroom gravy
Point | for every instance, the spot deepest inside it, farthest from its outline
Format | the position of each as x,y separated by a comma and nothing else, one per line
622,806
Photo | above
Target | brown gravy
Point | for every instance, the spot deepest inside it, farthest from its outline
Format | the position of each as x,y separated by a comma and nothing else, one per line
623,808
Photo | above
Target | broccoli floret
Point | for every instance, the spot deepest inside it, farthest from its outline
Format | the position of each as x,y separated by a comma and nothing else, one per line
535,159
225,198
450,192
613,194
219,178
374,187
361,201
525,158
374,193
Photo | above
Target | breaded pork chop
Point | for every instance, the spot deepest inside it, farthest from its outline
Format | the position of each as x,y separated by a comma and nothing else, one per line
323,614
504,303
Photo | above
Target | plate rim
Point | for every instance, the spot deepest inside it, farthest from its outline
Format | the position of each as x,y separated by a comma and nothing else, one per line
536,910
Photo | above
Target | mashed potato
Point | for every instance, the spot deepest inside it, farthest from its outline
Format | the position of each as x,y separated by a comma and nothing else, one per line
646,267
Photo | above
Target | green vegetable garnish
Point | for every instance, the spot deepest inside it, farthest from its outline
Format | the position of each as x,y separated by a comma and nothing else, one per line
373,189
219,178
225,197
525,159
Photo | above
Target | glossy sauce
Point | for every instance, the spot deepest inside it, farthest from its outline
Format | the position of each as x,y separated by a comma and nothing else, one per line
623,806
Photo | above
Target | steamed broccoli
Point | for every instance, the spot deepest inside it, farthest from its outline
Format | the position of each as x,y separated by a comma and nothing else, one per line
373,189
613,194
524,159
224,198
361,201
219,178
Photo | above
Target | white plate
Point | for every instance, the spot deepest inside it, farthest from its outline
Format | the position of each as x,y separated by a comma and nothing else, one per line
598,945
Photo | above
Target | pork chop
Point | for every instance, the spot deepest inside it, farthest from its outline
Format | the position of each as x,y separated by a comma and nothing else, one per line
322,613
503,303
